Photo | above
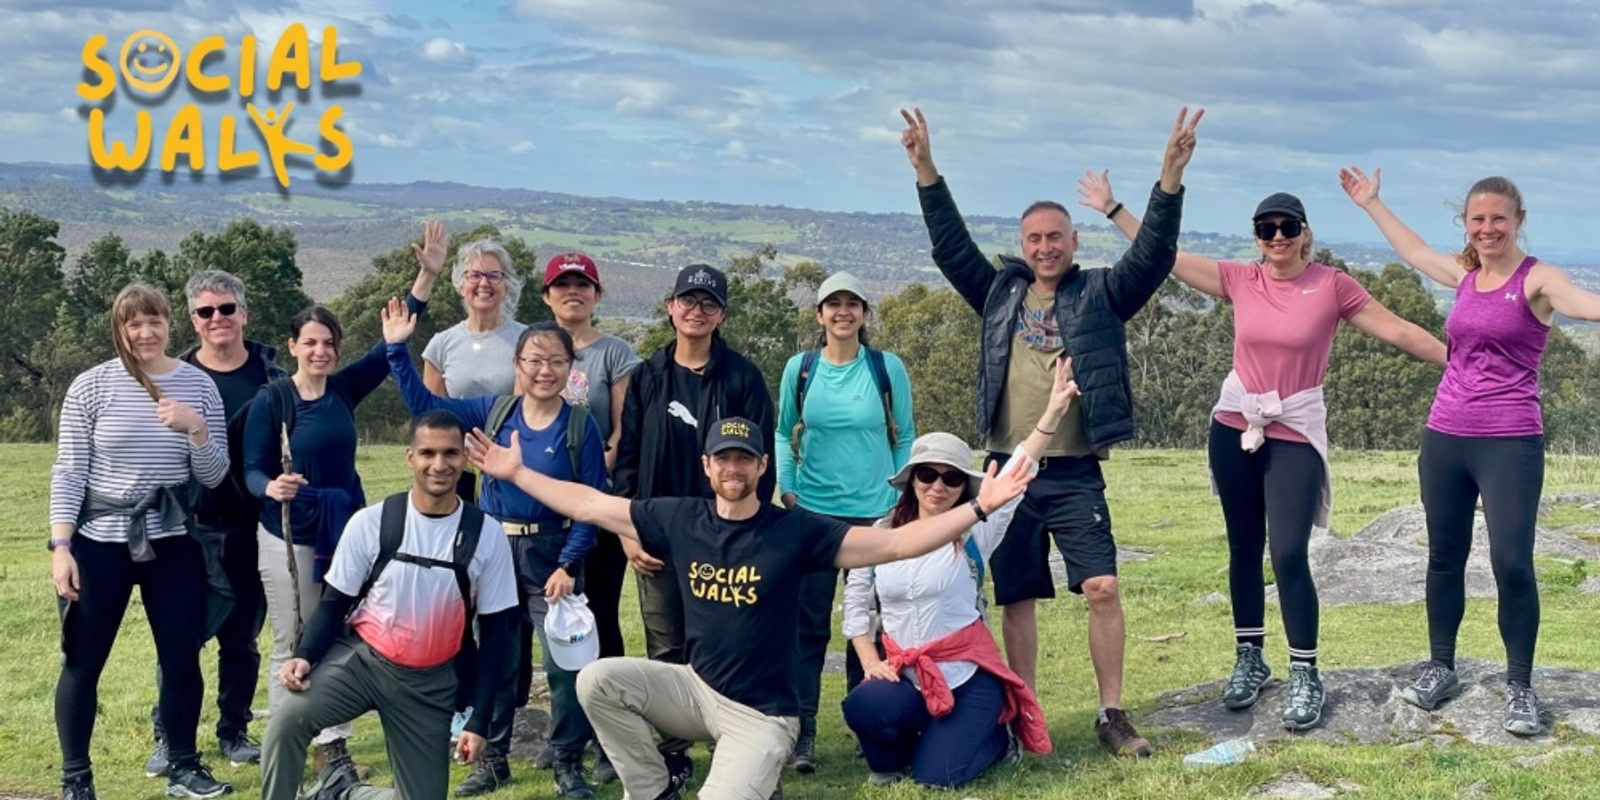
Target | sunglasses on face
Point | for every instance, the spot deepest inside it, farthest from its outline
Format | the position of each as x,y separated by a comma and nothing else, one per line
1266,230
207,312
951,478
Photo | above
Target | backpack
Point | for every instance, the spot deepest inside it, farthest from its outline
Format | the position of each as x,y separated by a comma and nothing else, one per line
880,375
577,426
392,533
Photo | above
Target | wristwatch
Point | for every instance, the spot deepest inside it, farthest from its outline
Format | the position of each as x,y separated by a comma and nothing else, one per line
65,544
570,567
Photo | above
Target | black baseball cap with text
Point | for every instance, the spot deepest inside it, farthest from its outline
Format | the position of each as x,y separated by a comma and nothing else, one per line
732,433
704,278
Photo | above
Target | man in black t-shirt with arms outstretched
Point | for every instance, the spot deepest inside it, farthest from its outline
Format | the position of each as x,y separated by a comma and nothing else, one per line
739,561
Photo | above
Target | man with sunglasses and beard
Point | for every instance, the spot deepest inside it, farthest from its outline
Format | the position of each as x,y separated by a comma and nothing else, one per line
225,516
738,561
1035,310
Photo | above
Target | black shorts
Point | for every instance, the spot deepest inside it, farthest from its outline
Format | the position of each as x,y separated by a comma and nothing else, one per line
1068,500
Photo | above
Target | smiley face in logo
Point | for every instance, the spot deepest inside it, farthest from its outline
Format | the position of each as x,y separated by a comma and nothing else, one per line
149,61
706,572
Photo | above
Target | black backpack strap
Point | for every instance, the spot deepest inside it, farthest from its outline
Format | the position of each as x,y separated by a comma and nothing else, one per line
577,428
468,531
808,362
880,374
498,414
391,533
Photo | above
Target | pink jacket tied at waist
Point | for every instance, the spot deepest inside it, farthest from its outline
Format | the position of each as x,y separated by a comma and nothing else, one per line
976,644
1303,412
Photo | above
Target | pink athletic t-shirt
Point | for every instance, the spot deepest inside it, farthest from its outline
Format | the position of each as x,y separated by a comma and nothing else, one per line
1283,329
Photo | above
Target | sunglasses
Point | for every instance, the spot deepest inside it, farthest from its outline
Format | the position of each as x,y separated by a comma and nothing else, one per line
952,478
1267,230
207,312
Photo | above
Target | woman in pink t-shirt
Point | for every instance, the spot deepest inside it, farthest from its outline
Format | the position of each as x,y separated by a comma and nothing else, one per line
1485,434
1269,440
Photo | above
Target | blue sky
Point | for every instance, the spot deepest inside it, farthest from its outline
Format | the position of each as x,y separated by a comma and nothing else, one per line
795,103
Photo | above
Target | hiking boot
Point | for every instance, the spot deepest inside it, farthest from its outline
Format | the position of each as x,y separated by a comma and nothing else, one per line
491,773
1116,733
803,759
546,759
325,755
333,781
78,787
239,750
1304,707
1250,672
570,784
604,772
156,765
679,771
1522,711
1436,684
192,779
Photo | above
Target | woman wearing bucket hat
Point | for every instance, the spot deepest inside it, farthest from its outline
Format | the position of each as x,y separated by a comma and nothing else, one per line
832,448
1269,439
943,706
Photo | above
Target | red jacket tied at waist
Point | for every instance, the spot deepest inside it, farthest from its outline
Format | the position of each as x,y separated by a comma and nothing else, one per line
973,643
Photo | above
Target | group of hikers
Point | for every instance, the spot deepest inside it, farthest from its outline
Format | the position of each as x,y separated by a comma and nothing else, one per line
549,459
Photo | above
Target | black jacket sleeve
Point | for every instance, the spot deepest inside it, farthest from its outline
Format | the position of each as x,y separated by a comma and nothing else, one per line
758,407
326,623
954,252
625,471
497,634
1136,276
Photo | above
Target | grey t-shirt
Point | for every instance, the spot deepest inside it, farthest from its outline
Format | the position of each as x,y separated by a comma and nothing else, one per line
475,364
600,365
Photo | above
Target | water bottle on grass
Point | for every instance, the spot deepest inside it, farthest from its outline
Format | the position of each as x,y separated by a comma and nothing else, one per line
1223,753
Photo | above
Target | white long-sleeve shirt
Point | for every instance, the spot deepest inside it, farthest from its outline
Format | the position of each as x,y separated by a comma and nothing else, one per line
112,443
928,597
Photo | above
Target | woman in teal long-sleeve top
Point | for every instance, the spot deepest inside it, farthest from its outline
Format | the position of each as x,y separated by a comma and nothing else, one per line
833,450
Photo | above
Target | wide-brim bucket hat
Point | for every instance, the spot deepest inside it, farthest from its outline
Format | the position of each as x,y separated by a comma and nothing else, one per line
946,449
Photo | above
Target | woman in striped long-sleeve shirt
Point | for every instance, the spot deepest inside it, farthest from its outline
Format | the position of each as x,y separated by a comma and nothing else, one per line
133,431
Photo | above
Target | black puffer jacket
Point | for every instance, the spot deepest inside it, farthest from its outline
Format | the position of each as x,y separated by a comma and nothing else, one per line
1092,307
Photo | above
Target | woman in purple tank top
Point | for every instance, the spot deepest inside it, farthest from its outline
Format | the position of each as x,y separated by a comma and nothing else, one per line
1485,434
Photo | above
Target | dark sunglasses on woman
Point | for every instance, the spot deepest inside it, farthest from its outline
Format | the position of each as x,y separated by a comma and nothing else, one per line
1267,230
952,478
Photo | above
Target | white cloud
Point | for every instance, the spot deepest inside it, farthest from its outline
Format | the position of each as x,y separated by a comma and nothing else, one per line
442,50
522,147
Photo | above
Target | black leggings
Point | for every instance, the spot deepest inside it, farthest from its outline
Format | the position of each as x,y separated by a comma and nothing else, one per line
172,589
1509,473
1276,488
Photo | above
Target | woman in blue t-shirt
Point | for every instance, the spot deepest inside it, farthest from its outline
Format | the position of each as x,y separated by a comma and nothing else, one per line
837,436
547,548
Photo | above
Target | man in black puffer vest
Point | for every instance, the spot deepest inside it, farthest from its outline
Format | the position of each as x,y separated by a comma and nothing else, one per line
1035,311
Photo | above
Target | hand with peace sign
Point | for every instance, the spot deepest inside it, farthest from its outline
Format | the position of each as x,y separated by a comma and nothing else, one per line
915,140
1180,148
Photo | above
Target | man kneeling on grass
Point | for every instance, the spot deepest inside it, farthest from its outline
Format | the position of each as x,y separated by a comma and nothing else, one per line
410,568
739,562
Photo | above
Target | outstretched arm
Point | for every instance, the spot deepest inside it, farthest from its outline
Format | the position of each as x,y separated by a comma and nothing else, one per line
1380,323
954,253
1550,290
866,547
1363,191
1198,272
574,501
430,256
915,140
1136,277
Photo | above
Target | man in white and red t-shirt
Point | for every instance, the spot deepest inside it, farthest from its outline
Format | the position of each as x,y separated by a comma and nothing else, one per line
397,657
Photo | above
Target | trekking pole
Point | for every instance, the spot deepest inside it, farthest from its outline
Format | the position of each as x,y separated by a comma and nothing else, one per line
288,534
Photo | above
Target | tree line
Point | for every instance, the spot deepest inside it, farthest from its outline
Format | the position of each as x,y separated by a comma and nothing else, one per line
54,323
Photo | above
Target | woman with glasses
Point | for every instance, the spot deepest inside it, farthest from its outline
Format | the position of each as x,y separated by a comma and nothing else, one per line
1485,433
547,549
133,433
1269,440
943,706
844,421
472,358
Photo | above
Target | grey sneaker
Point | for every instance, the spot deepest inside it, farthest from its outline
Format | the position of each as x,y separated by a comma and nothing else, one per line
239,750
193,779
1250,672
157,764
1304,709
1436,684
1522,711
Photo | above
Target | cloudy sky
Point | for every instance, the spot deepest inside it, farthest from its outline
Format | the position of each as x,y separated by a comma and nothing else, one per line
795,103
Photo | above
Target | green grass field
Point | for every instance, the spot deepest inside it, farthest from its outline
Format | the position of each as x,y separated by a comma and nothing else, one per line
1159,501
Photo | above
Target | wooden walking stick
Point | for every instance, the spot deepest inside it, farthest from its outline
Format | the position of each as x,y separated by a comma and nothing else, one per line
288,534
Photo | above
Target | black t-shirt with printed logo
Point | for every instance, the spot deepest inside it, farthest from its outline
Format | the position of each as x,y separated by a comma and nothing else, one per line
741,590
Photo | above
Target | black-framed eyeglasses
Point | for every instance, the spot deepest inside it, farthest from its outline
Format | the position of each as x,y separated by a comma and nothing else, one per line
536,363
1267,230
707,305
951,478
225,309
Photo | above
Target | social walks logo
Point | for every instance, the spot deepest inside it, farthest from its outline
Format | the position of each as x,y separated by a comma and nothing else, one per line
148,67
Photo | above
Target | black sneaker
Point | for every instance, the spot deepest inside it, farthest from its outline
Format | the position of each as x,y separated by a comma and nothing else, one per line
679,772
156,765
491,773
239,750
604,772
193,779
1304,708
803,759
78,787
570,784
1116,733
1436,684
1250,672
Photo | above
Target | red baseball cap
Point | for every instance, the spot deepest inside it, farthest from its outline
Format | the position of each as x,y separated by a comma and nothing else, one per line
571,262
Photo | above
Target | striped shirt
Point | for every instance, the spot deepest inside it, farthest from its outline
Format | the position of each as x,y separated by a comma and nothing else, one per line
111,439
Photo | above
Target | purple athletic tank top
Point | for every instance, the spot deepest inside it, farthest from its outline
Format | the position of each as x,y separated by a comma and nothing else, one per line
1491,382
